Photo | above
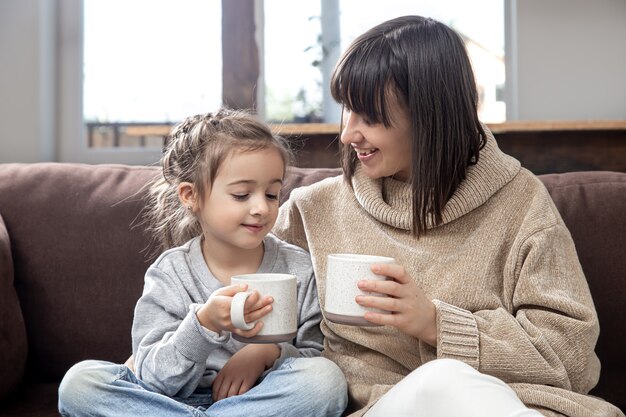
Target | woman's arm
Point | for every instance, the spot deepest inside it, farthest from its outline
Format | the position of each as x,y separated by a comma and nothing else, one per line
546,336
550,337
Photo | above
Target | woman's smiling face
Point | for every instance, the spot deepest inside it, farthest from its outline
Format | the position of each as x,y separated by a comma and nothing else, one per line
382,151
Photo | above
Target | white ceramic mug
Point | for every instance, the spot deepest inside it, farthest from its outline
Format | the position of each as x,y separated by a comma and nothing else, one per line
281,324
343,272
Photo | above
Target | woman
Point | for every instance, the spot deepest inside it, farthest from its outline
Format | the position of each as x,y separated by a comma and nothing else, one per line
491,312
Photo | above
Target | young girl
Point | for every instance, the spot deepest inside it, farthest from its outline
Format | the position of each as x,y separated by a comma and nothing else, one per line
491,313
214,206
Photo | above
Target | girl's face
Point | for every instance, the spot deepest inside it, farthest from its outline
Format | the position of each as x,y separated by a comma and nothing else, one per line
242,205
382,151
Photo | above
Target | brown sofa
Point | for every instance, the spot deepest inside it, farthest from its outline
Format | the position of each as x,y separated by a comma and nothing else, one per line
72,259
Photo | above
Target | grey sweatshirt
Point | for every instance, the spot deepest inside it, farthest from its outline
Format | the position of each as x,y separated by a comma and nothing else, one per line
174,353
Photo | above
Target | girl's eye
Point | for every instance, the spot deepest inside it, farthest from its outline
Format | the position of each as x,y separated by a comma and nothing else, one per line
272,196
240,197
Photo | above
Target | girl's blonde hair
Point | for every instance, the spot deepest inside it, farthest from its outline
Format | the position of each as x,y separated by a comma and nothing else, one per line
194,151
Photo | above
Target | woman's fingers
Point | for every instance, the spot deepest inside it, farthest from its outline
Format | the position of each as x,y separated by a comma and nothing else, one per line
390,288
380,302
397,272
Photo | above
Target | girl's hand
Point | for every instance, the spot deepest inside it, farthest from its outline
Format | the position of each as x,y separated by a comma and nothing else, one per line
243,369
411,311
215,313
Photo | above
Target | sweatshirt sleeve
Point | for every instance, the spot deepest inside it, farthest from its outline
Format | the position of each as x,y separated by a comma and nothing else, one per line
549,337
170,345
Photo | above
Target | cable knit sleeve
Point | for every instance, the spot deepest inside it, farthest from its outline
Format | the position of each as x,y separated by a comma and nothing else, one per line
289,224
549,335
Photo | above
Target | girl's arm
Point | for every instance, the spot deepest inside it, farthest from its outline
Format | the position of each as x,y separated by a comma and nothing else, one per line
170,346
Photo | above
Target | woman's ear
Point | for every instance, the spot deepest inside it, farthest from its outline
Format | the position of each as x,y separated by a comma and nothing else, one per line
187,195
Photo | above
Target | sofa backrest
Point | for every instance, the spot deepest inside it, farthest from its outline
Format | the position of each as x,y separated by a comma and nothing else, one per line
593,206
79,261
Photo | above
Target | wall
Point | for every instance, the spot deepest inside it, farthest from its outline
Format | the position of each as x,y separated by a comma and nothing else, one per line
566,59
27,71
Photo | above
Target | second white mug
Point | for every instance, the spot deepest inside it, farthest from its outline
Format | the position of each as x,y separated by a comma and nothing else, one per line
343,272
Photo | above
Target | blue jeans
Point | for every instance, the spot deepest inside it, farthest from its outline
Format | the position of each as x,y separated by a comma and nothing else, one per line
295,387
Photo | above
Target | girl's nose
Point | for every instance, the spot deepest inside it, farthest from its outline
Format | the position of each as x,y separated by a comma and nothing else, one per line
260,207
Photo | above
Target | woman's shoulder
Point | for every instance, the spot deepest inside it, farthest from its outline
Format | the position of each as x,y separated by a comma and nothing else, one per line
324,193
527,195
324,186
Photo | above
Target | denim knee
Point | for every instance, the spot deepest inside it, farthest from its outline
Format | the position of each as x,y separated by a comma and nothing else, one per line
325,381
83,382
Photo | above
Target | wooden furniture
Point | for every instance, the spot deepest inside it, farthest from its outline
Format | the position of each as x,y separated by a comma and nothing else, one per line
541,146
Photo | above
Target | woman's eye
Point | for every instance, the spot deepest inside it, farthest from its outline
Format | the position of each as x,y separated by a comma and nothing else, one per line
240,197
272,196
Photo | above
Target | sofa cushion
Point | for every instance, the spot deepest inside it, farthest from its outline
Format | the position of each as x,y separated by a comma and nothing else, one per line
79,263
593,206
13,344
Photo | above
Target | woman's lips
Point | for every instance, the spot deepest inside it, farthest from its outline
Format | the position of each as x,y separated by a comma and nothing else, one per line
366,154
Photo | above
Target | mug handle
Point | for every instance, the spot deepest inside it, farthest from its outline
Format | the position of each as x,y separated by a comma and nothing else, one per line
236,311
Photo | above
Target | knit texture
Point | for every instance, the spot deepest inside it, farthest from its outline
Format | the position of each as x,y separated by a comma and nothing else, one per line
502,270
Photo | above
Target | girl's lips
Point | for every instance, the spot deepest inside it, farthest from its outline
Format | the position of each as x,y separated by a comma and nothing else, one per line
254,228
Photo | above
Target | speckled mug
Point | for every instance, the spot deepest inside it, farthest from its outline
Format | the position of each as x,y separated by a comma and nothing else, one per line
343,272
281,324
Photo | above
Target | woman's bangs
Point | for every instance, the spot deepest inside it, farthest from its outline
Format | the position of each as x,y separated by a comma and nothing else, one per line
360,84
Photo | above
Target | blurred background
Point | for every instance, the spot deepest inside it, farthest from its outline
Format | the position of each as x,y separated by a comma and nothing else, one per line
103,81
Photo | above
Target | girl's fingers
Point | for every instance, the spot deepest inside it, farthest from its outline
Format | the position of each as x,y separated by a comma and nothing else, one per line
215,387
223,390
256,302
249,333
231,290
257,314
235,386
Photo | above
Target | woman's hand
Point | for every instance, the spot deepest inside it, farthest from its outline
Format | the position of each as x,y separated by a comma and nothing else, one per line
215,313
411,311
243,369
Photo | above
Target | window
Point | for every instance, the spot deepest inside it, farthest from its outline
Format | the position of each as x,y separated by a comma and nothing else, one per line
296,46
148,63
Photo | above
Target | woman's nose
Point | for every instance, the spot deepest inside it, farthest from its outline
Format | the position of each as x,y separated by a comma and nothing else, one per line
350,132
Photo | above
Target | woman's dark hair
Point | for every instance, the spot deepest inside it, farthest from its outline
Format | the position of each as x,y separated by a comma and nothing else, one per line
425,64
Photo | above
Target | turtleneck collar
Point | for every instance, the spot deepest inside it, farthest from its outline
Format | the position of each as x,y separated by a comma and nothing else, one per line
389,200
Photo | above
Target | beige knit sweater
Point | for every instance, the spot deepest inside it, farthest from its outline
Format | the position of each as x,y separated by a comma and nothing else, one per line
511,297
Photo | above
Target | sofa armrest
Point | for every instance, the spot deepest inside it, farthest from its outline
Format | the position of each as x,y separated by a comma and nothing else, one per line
13,343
